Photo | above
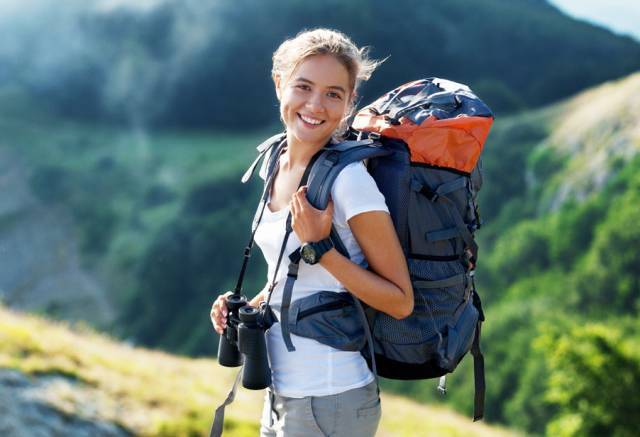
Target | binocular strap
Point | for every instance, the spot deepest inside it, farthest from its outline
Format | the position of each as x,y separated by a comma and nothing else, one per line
218,418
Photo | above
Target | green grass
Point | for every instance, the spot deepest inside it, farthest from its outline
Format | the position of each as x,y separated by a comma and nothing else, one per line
166,395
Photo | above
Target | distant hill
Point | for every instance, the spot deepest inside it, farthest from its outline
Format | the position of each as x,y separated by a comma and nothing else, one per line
67,380
207,64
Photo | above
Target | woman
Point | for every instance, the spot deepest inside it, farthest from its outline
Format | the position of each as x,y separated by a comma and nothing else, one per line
319,390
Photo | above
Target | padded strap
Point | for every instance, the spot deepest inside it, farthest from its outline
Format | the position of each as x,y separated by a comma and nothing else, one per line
320,181
218,417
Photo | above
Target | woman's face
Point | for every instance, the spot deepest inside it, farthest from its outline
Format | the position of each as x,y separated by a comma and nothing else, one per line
314,100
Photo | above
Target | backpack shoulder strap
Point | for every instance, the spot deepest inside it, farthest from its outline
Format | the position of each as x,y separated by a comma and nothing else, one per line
332,161
328,166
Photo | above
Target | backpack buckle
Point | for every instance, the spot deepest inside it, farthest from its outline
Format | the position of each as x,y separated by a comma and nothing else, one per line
429,193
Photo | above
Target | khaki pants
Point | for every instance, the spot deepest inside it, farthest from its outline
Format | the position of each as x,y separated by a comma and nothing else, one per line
353,413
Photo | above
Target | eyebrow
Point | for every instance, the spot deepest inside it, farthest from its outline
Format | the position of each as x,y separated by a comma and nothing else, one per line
335,87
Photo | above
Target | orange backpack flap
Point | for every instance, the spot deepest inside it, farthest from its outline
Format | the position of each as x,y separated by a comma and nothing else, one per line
454,140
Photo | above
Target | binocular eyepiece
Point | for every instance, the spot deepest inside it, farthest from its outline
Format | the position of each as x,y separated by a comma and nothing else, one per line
243,341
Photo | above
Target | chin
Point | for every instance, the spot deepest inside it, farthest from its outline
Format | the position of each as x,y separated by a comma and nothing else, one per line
311,137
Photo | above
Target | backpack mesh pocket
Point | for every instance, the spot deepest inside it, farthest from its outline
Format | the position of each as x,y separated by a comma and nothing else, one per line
418,337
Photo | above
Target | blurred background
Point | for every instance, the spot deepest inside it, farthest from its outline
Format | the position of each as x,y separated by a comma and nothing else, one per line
125,127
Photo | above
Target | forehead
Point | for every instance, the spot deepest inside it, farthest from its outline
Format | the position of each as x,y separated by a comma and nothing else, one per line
323,70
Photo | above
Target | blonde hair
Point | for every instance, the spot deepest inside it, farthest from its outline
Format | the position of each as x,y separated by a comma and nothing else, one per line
356,61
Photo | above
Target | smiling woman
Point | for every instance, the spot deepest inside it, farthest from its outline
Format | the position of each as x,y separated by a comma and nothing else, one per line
318,388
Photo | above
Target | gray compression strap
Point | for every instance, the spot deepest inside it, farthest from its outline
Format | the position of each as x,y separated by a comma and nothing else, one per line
442,234
292,275
218,418
442,283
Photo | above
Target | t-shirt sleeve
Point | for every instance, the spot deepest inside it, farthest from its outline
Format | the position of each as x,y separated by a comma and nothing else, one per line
354,192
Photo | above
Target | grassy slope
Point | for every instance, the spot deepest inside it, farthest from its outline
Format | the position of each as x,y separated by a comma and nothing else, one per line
169,395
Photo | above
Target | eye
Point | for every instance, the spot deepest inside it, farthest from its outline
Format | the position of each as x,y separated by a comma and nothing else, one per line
334,95
303,87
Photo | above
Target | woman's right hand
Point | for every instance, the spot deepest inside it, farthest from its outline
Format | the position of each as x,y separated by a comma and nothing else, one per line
219,313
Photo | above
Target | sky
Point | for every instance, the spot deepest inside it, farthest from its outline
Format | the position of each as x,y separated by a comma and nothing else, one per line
620,16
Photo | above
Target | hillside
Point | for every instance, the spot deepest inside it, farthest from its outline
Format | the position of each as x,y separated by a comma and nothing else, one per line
560,263
145,227
204,64
69,380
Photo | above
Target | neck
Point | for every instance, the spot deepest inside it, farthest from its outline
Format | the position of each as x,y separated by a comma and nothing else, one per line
299,154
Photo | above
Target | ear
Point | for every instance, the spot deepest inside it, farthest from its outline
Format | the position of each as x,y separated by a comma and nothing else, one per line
276,81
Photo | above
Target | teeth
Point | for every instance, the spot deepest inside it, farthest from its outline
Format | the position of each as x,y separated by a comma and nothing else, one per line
310,120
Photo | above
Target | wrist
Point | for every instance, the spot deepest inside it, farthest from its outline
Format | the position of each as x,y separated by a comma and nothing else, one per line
312,252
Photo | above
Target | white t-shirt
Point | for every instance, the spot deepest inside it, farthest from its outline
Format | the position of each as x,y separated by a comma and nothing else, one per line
315,369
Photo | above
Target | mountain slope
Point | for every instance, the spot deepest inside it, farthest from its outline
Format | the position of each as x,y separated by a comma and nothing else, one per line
560,262
82,383
207,64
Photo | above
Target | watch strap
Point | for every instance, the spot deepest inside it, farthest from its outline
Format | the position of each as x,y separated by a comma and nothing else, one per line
321,247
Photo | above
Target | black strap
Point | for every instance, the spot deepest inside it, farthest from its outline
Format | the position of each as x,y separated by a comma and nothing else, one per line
263,149
218,418
259,213
478,375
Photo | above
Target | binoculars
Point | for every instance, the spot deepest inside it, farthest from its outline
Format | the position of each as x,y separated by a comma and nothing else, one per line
243,341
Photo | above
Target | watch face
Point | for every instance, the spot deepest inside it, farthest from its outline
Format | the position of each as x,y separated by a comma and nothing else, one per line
308,254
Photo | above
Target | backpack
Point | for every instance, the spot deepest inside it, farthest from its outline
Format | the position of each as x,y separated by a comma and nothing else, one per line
422,142
436,129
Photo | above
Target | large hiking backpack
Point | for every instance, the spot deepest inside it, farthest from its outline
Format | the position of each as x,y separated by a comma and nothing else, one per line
423,142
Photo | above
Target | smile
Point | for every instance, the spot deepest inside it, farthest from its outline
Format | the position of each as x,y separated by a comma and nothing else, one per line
310,120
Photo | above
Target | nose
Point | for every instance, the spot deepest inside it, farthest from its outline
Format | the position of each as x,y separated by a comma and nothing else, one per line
314,103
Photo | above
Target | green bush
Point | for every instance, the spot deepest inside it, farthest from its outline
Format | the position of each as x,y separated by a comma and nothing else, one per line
594,375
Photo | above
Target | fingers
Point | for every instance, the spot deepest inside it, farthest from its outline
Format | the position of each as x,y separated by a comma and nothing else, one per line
219,313
295,205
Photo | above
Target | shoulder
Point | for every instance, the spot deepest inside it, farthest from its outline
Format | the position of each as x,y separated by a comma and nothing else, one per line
356,172
354,191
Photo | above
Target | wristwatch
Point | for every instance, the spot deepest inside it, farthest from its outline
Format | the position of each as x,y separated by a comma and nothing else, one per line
312,252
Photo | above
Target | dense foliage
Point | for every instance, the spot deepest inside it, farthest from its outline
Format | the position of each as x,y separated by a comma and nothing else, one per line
204,64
